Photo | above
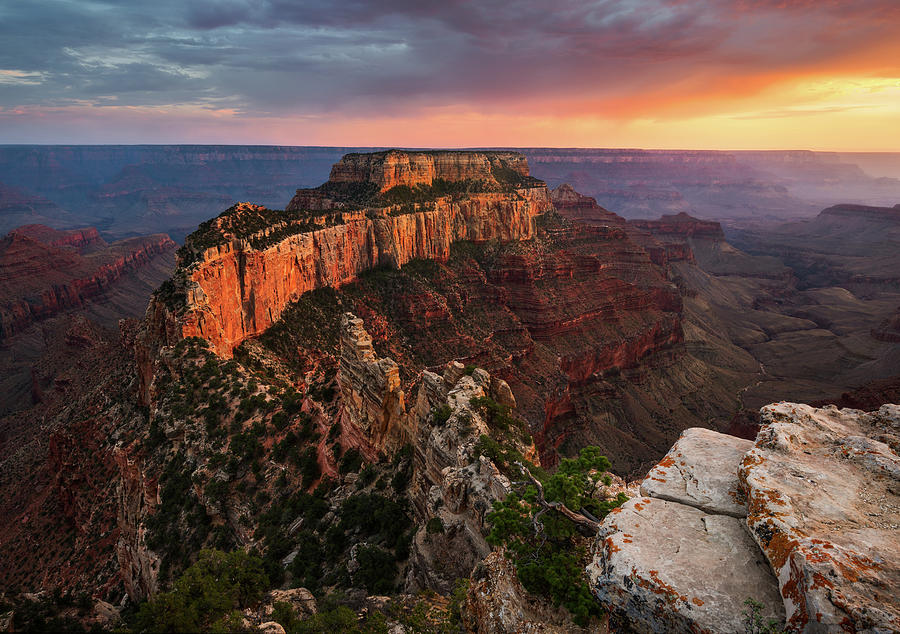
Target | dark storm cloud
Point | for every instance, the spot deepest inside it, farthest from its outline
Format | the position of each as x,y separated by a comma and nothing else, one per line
283,56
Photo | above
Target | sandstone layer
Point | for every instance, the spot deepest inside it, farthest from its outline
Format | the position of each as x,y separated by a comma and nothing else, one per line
401,167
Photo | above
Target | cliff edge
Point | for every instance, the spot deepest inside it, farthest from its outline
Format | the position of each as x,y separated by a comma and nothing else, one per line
239,271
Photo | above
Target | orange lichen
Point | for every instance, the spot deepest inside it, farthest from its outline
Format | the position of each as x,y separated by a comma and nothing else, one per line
780,547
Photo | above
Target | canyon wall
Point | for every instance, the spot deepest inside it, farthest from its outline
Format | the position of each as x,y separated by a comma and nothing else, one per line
392,168
235,291
39,280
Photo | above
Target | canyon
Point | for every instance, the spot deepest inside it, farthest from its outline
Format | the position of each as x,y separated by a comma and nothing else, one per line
58,283
128,190
307,373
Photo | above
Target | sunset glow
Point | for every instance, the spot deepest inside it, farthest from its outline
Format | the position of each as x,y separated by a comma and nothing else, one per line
643,73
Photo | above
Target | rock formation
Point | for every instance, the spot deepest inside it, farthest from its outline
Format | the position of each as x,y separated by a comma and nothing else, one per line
239,280
454,486
823,491
583,208
370,387
679,559
814,499
79,239
395,167
496,603
138,565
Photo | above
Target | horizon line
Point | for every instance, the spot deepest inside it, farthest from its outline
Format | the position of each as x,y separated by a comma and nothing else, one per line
459,148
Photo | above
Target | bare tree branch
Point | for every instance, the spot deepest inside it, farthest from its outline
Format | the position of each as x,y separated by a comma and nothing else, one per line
588,525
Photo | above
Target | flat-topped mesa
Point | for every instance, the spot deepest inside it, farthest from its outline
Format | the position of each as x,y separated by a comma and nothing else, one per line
400,177
396,167
682,224
239,271
847,210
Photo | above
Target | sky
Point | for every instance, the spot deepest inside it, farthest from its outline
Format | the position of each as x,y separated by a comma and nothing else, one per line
718,74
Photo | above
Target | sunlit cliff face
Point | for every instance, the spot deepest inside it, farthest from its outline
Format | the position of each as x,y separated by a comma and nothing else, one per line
821,74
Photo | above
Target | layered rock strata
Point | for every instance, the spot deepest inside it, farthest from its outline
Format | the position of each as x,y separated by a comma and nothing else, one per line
370,387
400,167
239,287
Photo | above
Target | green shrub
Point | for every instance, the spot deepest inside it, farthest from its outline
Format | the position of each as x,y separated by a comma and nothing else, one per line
441,415
309,466
434,525
550,562
352,461
403,462
377,570
207,592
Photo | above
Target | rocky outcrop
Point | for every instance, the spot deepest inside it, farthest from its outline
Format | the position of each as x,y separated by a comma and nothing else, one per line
583,208
78,239
301,600
370,387
814,500
39,280
824,506
679,559
402,167
681,224
699,471
496,603
673,237
454,487
138,565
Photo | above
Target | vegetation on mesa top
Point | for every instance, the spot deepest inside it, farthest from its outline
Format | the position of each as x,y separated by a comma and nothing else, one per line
248,221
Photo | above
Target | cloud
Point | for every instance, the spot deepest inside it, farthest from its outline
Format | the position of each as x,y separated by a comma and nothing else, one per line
619,59
20,77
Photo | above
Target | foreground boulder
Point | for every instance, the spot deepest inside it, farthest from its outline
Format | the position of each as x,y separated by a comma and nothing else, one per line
824,505
701,471
805,521
682,560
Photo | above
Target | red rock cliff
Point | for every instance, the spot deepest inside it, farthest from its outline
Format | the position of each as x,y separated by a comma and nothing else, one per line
236,290
395,167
